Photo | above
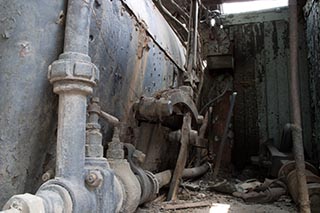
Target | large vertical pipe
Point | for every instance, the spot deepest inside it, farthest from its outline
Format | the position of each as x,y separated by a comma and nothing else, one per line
77,26
296,116
71,135
73,77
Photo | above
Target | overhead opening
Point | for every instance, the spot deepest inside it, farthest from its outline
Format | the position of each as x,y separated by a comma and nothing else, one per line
249,6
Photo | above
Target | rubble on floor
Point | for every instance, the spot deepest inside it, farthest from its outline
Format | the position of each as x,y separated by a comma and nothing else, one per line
202,196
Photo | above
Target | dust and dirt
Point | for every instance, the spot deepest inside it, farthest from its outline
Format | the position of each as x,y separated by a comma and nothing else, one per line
198,197
220,203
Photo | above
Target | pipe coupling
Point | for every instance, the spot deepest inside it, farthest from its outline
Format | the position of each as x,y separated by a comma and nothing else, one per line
73,71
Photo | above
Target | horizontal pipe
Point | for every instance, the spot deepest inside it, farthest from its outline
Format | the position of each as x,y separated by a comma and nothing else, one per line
164,177
109,118
196,171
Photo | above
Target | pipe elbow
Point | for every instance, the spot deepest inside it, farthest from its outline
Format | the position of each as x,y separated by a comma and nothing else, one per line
130,185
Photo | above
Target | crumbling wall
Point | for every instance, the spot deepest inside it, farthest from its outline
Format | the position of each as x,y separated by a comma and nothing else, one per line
312,16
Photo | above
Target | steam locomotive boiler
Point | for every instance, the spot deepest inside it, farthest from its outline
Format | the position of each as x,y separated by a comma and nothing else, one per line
92,91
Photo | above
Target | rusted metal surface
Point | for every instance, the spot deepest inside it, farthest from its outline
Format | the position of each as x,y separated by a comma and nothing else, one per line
182,158
165,176
288,173
298,149
132,64
147,14
224,136
149,188
216,93
196,171
312,17
148,135
160,154
182,97
179,26
261,51
151,109
93,146
31,38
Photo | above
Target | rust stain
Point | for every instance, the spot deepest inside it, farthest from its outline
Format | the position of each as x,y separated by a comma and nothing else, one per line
220,111
61,18
25,49
138,72
143,42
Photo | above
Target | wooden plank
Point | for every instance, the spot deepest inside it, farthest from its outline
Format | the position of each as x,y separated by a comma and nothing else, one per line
186,205
182,158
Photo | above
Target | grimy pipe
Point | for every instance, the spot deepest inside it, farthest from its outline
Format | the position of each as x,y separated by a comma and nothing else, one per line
296,113
77,26
73,77
164,177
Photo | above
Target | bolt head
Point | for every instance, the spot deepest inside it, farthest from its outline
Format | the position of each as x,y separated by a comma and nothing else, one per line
94,179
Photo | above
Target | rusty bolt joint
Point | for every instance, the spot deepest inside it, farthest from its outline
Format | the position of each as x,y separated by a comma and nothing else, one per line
93,126
94,179
73,67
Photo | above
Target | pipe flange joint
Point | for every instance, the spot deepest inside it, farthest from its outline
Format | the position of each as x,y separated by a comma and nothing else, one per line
154,181
68,195
73,67
94,106
93,126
